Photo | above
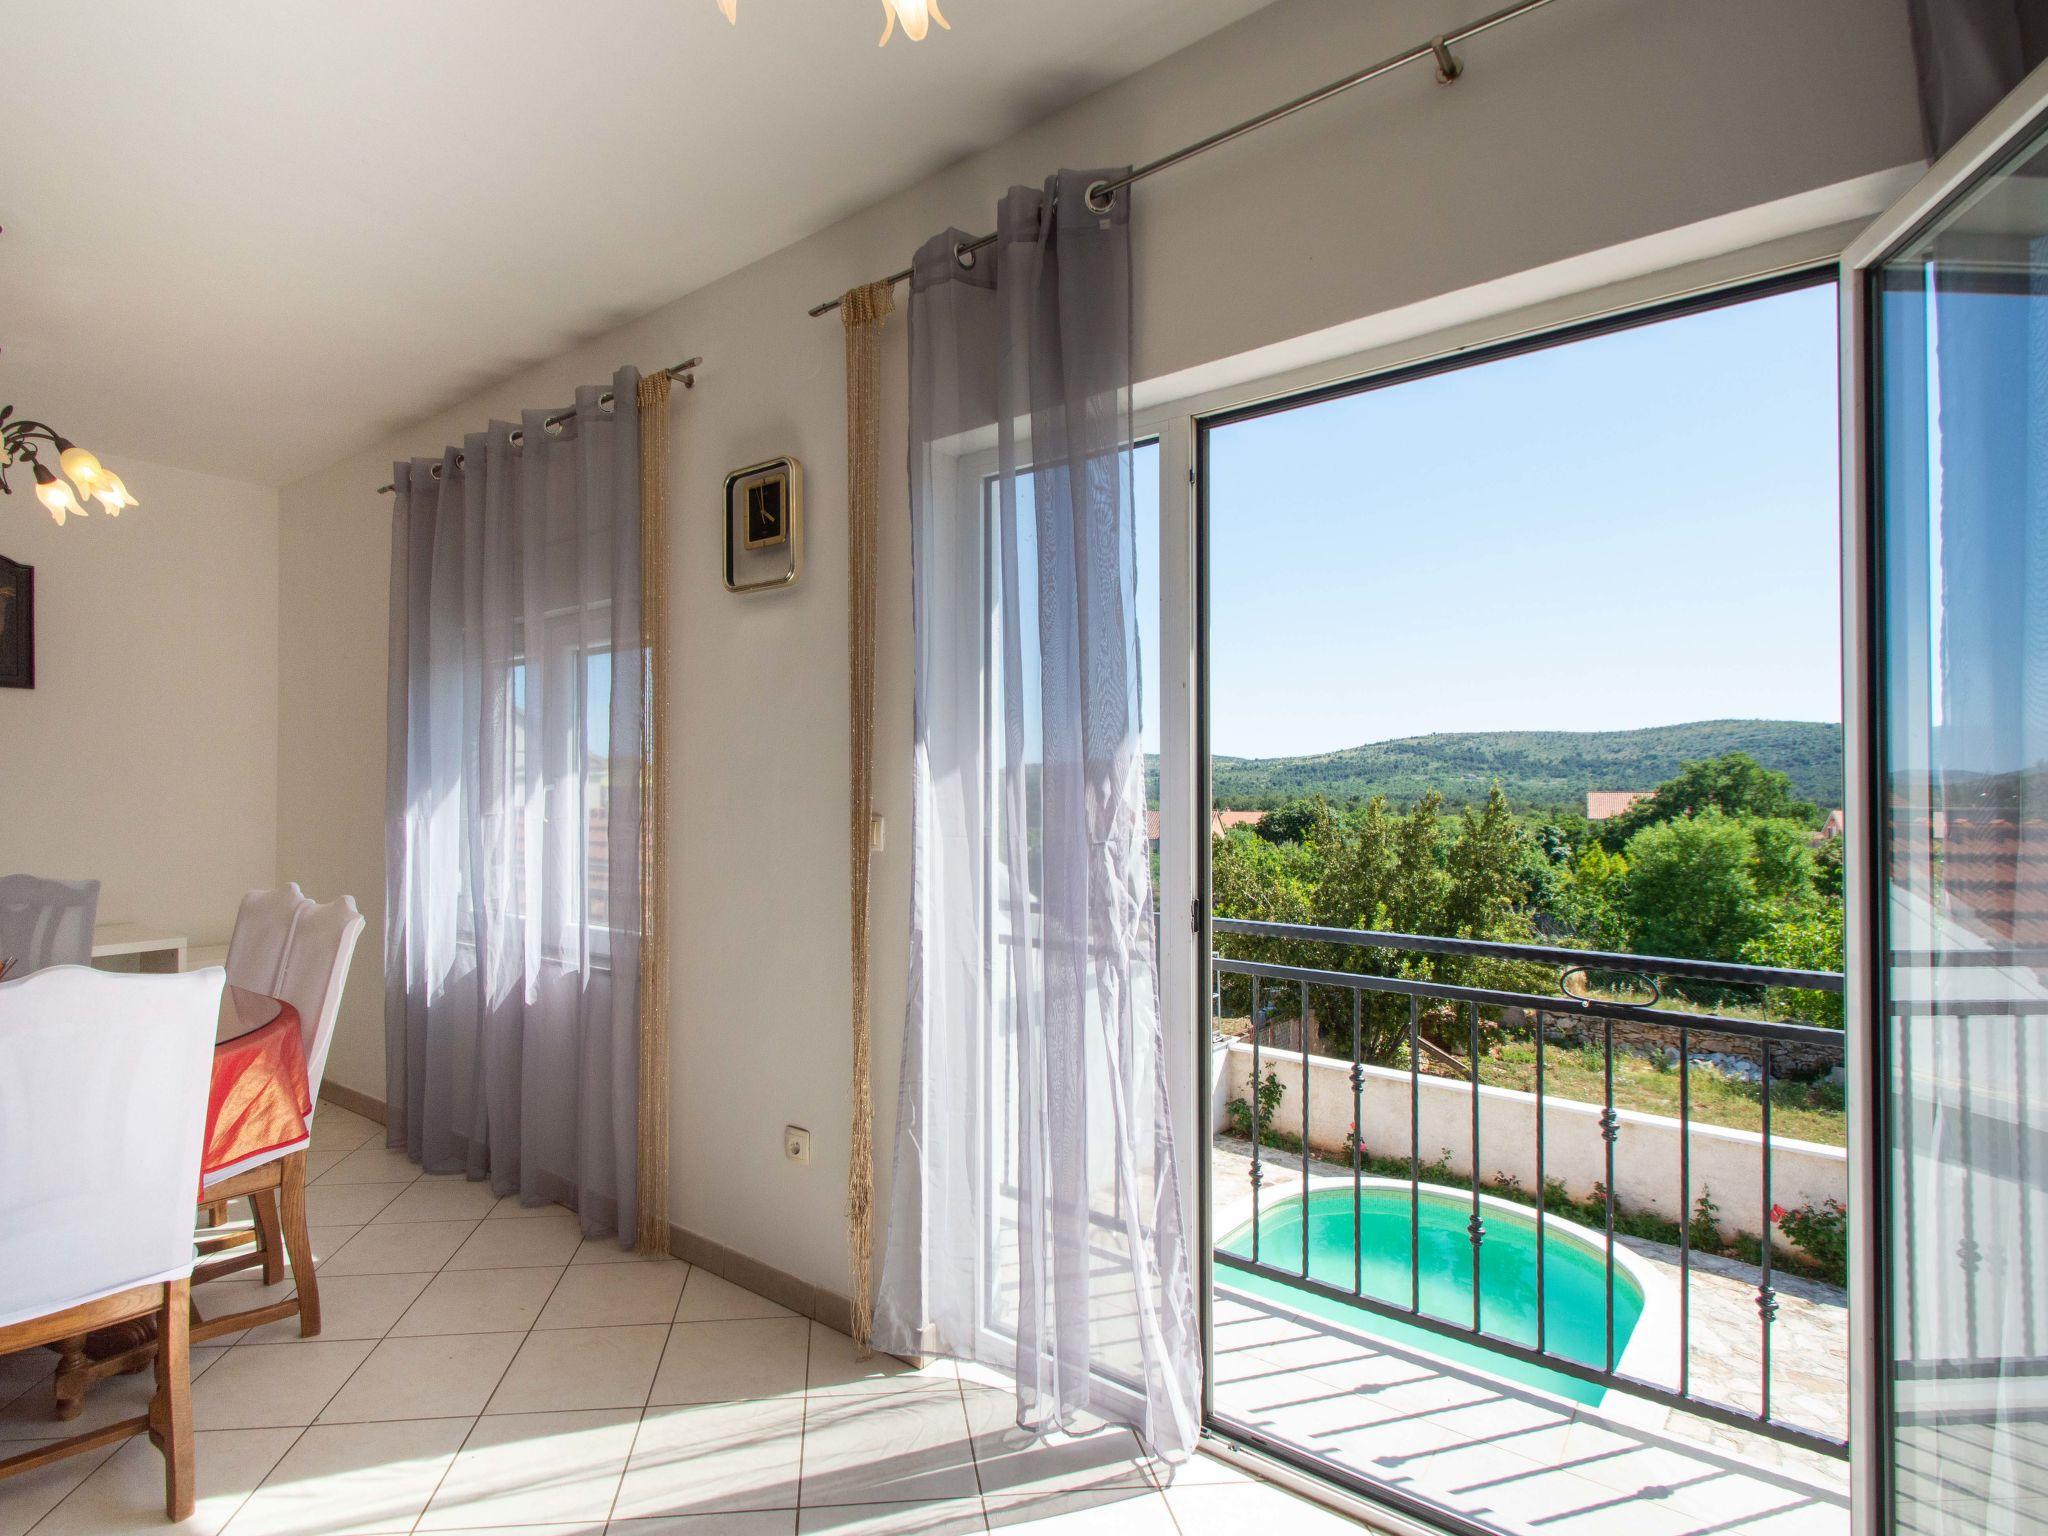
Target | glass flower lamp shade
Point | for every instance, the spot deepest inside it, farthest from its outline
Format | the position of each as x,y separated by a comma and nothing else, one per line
55,493
81,464
112,494
916,17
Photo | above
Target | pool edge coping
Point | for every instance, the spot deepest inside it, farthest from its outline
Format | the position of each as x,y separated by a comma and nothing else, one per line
1655,1329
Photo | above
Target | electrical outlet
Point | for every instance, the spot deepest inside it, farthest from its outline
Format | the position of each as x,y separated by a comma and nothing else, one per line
796,1144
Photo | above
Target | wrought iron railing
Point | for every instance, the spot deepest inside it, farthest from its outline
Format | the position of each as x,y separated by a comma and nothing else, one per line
1759,1038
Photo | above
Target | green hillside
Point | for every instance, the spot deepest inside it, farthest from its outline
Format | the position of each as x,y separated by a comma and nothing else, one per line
1534,768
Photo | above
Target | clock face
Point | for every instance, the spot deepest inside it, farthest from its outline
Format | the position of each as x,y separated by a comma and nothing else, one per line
767,512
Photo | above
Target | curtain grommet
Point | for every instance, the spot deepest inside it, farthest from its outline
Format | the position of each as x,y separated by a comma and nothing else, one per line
1103,189
963,255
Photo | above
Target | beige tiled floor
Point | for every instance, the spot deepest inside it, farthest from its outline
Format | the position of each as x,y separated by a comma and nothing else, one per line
1506,1457
483,1369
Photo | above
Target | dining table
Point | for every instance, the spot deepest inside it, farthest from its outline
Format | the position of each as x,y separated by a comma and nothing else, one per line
259,1099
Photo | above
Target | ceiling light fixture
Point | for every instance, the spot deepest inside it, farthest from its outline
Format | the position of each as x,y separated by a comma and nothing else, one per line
62,495
916,17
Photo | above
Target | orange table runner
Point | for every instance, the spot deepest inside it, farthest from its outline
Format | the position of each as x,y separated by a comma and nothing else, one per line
259,1099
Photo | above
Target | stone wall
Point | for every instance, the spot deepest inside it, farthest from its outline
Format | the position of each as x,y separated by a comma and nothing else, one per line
1788,1059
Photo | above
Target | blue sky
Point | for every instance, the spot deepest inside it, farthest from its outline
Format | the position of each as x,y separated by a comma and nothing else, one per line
1635,529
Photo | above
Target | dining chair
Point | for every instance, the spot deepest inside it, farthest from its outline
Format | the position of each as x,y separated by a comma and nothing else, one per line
105,1081
45,923
288,946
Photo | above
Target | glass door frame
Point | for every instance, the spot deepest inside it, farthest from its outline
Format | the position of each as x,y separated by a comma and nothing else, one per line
1952,178
1746,250
1390,1506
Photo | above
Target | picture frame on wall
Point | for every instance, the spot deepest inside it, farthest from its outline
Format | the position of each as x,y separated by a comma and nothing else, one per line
17,624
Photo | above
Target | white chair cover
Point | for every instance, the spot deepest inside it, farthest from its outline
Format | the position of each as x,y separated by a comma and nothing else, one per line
45,922
103,1084
263,936
288,946
315,971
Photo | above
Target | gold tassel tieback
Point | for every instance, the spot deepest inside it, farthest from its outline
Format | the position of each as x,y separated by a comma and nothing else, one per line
862,311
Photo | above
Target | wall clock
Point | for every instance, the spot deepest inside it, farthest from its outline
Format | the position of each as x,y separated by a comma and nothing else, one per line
764,525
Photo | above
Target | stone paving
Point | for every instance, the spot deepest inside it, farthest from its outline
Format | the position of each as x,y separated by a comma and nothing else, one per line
1521,1460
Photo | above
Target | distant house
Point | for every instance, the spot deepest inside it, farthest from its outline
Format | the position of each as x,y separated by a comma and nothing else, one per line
1604,804
1832,827
1220,822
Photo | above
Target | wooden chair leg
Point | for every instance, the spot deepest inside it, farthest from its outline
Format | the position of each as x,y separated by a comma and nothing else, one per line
170,1411
298,1244
263,1208
71,1380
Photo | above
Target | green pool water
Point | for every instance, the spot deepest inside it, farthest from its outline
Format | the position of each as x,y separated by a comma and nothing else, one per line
1574,1279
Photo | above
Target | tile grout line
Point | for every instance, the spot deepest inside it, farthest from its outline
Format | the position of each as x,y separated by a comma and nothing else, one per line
803,1421
243,1502
304,1429
611,1513
511,1360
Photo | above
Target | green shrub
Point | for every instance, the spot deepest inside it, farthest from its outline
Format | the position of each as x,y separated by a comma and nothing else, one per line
1822,1232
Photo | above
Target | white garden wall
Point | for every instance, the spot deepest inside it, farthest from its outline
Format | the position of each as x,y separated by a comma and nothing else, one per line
1725,1163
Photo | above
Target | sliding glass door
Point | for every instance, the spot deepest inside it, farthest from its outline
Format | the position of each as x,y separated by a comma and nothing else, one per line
1948,305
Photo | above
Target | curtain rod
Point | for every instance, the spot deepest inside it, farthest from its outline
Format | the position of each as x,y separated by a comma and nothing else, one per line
681,371
1438,48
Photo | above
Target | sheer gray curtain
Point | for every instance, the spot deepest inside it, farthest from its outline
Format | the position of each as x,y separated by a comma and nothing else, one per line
512,830
1036,1206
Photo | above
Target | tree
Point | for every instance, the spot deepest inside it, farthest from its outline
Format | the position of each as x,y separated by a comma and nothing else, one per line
1827,868
1374,868
1419,887
1691,889
1808,937
1592,901
1486,892
1784,865
1359,866
1261,881
1292,822
1734,783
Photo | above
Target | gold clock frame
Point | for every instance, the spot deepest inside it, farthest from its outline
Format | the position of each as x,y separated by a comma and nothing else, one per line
793,473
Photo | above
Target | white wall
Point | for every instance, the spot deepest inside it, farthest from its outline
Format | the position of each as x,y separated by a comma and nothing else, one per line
1591,123
146,754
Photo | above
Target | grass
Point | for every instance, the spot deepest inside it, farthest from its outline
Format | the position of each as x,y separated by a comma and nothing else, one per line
1813,1111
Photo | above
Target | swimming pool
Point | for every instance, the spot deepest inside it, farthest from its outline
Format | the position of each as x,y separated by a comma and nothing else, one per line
1574,1276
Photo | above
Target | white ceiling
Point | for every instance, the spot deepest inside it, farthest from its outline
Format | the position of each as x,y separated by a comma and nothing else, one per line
250,237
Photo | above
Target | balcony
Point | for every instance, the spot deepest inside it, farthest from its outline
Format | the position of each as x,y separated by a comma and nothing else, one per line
1648,1346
